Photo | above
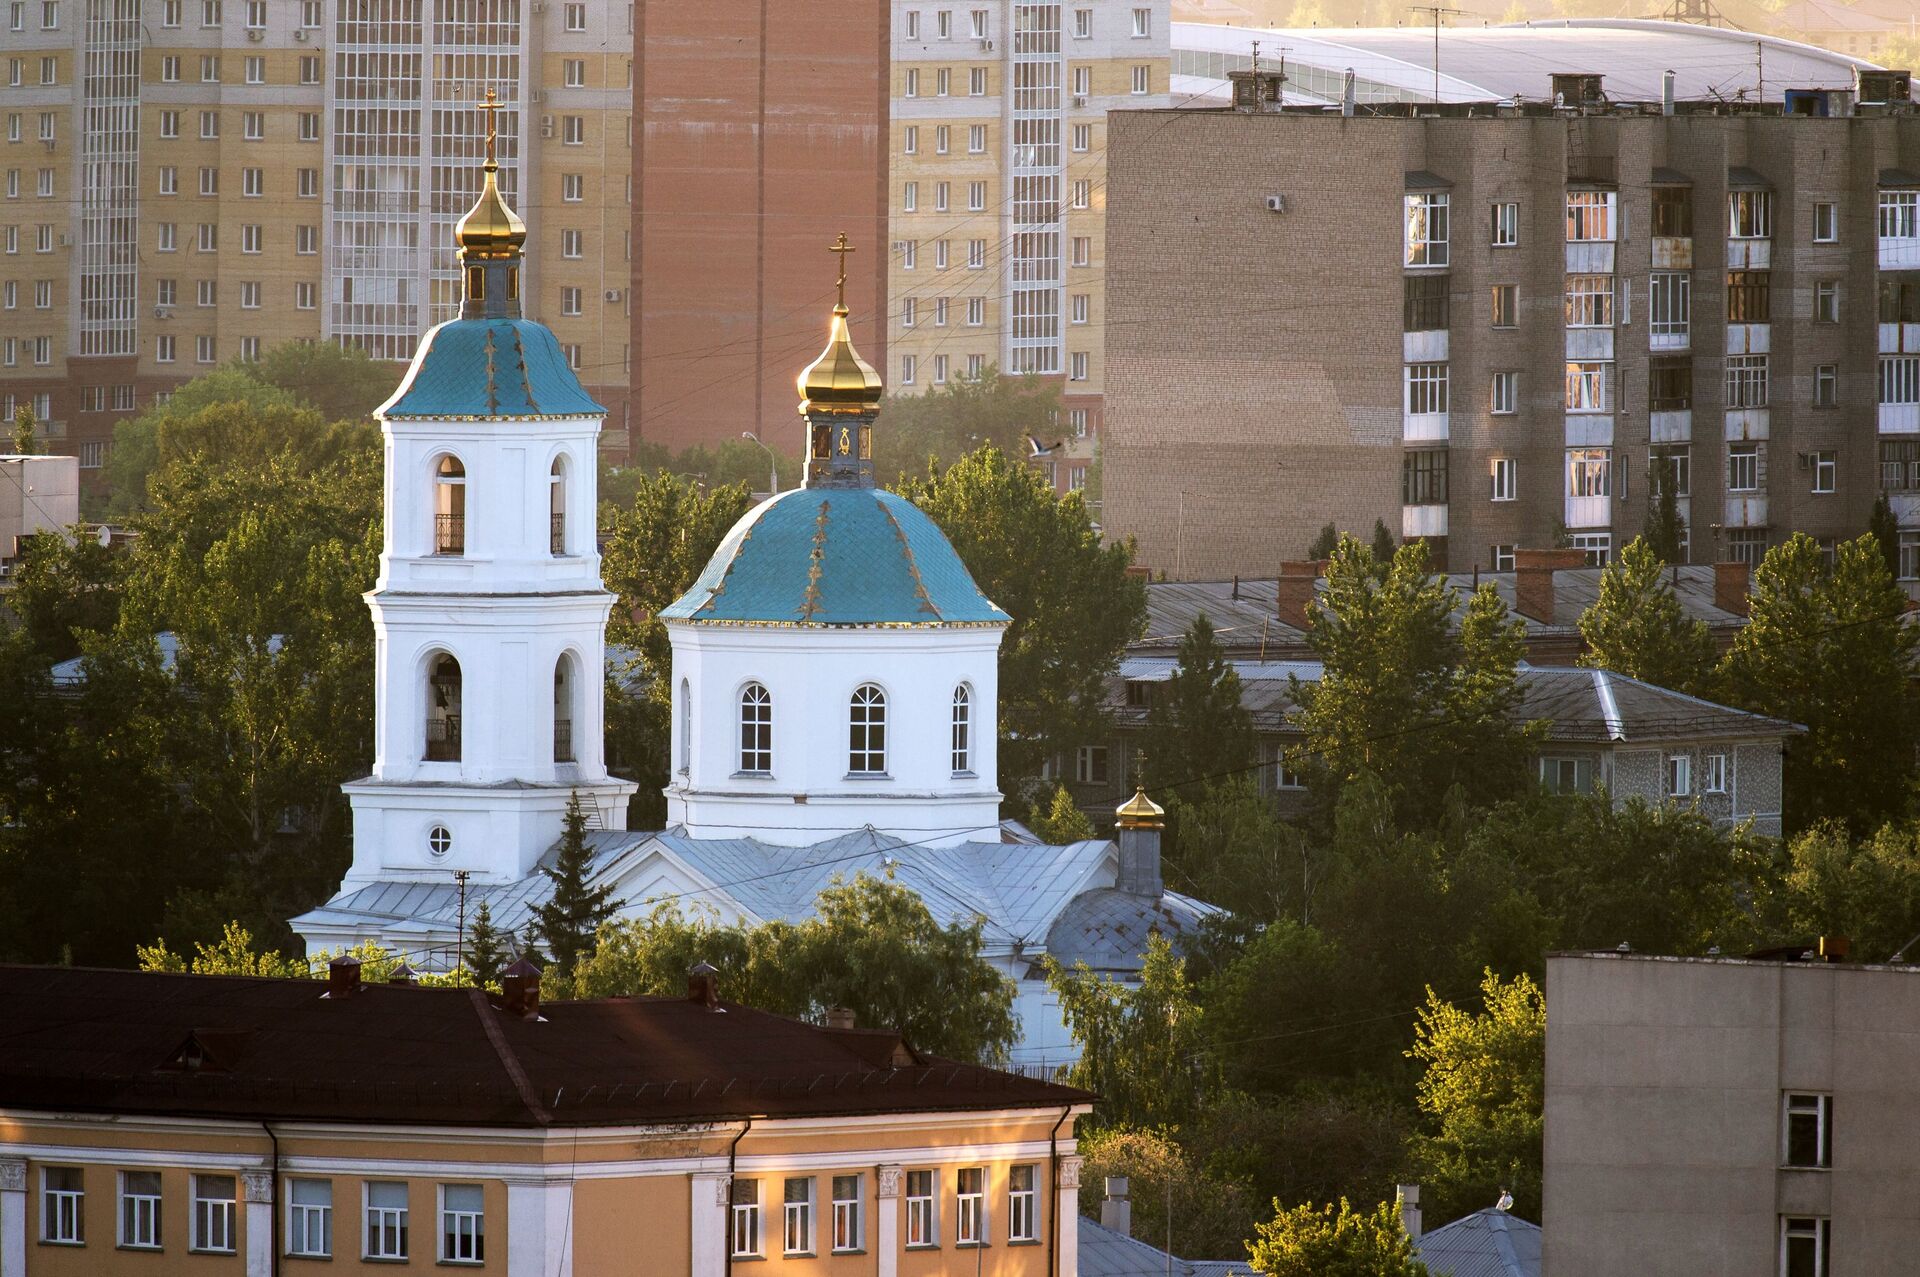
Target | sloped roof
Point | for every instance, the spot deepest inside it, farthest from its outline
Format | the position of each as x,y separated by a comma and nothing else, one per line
1107,928
836,556
95,1041
507,368
1487,1243
1106,1253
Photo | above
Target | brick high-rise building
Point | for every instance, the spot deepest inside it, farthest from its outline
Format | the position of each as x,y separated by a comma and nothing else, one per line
192,181
1489,323
759,136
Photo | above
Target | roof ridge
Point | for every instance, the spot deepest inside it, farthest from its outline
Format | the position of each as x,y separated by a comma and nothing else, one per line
522,1085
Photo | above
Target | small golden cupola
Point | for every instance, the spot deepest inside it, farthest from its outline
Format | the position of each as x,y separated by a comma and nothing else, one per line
840,396
490,236
1140,811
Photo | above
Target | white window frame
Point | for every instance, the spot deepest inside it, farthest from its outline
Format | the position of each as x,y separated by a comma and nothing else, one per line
1023,1203
796,1235
744,1234
1743,467
1817,1228
1747,381
308,1221
1426,389
63,1211
923,1210
214,1217
463,1233
1678,774
1826,470
962,734
140,1221
1591,217
1504,397
386,1230
1589,386
867,729
1589,301
1669,303
1750,214
1713,773
1826,222
1504,474
1427,227
1819,1106
848,1216
756,730
970,1206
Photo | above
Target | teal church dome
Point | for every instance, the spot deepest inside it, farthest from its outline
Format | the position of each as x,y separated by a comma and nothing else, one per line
830,556
491,366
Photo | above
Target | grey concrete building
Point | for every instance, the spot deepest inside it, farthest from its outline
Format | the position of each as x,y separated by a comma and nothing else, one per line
1489,324
1726,1117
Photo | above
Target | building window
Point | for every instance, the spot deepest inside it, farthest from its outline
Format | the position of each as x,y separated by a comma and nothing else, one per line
1083,24
1826,470
913,24
1426,389
1425,306
253,182
569,301
576,17
962,729
1426,229
209,68
310,1218
1082,250
1142,80
575,70
1746,381
1589,301
1501,557
1082,137
310,69
140,1210
205,349
1090,764
1566,775
309,126
1805,1245
1826,301
1743,467
1899,379
572,244
1082,81
1079,308
923,1224
1077,365
798,1238
1899,214
1506,471
943,24
942,82
970,1206
1749,296
63,1206
910,140
745,1232
1670,304
906,370
1749,214
1590,217
756,730
847,1235
1826,223
976,197
1670,385
250,294
1747,545
450,507
1826,385
1806,1134
976,139
976,311
1506,225
942,135
910,253
163,349
1505,398
1587,387
573,187
1589,472
977,82
1423,477
912,88
1506,306
942,193
867,732
574,132
1679,775
254,70
1909,556
209,125
1713,774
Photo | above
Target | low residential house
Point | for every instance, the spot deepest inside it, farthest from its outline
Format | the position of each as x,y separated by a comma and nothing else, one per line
1487,1243
1603,729
158,1123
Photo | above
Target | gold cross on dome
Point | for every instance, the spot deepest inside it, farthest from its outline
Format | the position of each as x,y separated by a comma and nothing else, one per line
492,107
841,247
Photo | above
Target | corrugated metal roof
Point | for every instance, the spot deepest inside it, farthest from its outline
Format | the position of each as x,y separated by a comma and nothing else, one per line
836,556
1108,928
510,368
1487,1243
1106,1253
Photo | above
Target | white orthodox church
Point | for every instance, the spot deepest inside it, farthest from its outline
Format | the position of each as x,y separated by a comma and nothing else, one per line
835,683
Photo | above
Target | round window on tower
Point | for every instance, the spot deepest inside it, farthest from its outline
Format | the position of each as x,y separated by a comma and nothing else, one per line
439,840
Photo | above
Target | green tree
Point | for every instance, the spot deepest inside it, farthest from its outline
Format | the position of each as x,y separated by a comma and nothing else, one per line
1867,890
1197,729
487,949
24,442
571,917
1225,841
341,383
1664,530
1212,1215
1330,1241
1074,605
1637,627
1884,528
1324,541
1483,1091
1384,545
1061,821
232,954
1828,649
993,410
1139,1046
65,586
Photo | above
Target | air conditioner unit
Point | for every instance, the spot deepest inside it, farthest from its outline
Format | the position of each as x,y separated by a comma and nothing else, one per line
163,312
899,246
539,6
613,294
301,36
986,46
546,126
255,34
66,241
1079,99
1276,203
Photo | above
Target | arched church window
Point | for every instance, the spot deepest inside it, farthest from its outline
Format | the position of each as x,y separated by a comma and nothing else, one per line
557,505
867,731
563,692
962,729
756,729
443,709
450,507
686,727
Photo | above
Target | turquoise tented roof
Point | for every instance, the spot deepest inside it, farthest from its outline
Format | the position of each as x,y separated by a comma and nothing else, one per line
836,556
490,368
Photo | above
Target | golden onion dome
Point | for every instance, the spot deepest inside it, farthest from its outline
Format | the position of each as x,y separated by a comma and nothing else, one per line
1140,812
839,380
490,231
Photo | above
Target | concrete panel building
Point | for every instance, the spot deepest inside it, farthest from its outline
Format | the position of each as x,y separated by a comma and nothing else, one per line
1489,324
1716,1117
760,135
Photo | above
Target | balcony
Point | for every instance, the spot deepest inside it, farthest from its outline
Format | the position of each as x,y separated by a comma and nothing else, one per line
1589,512
1669,337
1899,339
1899,253
1587,344
1590,257
1748,425
1670,425
443,739
563,740
1899,419
558,535
450,534
1672,252
1749,254
1746,511
1749,339
1427,346
1423,521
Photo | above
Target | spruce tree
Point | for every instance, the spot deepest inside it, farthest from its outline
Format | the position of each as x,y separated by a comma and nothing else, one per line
1884,528
1322,545
1383,543
1663,527
486,948
572,915
1636,626
1197,726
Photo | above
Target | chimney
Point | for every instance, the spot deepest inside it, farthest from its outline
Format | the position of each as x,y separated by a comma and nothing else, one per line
1140,820
403,974
1293,592
520,989
343,976
840,1018
1116,1212
703,986
1666,94
1730,584
1533,580
1410,1210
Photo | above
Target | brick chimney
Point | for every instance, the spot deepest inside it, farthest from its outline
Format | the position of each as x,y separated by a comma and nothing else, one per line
1731,582
1293,592
1116,1210
840,1018
703,985
1533,580
520,989
343,976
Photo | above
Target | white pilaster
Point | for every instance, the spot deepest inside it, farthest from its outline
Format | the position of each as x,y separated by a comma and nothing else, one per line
257,1191
707,1224
886,1223
13,1217
539,1232
1066,1217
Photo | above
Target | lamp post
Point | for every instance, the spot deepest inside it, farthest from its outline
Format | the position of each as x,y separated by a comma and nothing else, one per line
773,464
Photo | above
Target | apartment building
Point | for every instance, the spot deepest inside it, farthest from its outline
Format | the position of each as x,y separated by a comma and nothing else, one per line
179,1123
192,181
999,193
1730,1115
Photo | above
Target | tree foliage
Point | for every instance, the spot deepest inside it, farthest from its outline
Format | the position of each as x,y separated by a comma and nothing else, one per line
487,949
1139,1043
994,410
1211,1216
1197,729
1867,889
1664,530
1637,627
1334,1241
1060,821
1074,605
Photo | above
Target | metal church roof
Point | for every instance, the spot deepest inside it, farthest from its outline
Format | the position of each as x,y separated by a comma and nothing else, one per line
510,368
836,556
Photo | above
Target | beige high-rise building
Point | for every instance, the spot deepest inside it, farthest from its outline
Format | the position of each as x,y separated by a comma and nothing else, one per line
998,201
192,181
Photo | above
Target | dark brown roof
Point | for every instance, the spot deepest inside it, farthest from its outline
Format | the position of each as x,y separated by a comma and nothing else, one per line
244,1047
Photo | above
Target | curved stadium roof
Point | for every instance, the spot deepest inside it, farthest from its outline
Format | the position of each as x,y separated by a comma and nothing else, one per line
1493,63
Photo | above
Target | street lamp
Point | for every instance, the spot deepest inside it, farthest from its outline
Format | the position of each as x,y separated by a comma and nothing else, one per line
773,464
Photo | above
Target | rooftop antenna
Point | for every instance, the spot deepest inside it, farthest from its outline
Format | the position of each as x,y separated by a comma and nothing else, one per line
1255,68
1436,10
